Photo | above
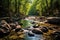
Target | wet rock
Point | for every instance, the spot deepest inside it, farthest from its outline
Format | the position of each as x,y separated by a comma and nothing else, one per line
44,29
55,21
37,31
35,26
30,34
18,30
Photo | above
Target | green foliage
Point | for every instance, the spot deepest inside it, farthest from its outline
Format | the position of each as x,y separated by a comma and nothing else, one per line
26,23
29,7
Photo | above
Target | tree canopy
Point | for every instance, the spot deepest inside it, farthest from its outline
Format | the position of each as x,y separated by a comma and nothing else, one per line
31,7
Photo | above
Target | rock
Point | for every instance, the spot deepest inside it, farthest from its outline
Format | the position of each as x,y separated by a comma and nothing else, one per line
35,26
30,34
37,31
44,29
4,32
50,28
18,30
12,25
56,35
4,29
55,21
18,26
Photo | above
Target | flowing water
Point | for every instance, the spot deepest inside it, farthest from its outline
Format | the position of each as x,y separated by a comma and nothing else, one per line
35,37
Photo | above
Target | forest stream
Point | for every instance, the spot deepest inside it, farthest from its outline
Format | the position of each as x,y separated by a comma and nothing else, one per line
34,30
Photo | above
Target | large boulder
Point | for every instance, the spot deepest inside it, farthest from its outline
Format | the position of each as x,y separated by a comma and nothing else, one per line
54,20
